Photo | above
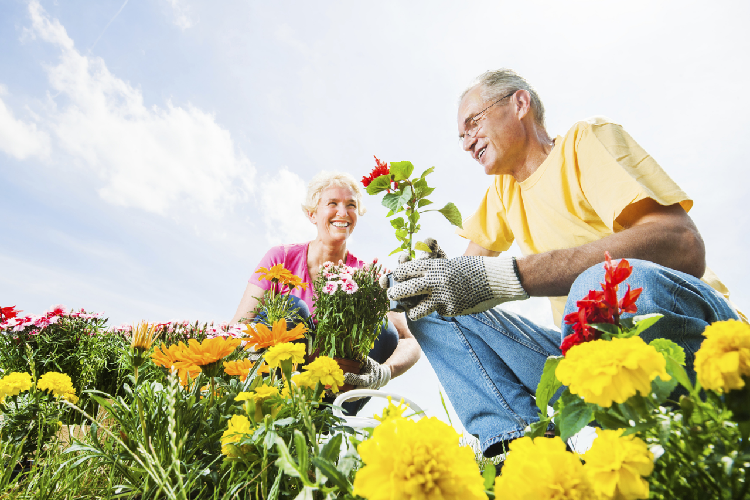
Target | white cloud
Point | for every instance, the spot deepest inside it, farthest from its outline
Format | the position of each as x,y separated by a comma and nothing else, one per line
280,199
20,139
182,15
160,159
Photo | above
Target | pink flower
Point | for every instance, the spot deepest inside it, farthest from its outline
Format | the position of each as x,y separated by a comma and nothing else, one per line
350,287
58,310
327,264
345,277
331,287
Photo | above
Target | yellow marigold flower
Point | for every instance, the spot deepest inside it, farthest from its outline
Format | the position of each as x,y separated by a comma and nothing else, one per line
14,383
207,352
603,372
71,396
326,371
417,460
617,464
264,392
238,428
59,384
143,336
542,469
243,396
392,411
724,357
304,380
241,368
278,353
260,336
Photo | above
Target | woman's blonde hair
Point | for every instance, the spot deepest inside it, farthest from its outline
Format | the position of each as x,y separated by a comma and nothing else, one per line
323,181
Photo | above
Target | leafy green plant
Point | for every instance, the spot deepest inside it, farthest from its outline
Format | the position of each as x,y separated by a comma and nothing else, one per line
408,195
350,308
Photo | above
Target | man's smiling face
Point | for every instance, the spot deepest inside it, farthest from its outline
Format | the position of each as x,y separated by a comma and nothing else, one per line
498,136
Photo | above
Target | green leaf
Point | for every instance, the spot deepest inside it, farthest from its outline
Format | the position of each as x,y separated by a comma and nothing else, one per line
450,211
548,384
645,321
668,348
678,372
401,170
489,475
300,445
395,251
398,223
378,184
422,189
285,462
574,416
606,328
332,448
414,217
423,203
427,172
607,420
421,247
663,389
394,201
332,473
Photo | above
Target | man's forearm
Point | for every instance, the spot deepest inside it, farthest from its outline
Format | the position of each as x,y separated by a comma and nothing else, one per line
677,246
406,354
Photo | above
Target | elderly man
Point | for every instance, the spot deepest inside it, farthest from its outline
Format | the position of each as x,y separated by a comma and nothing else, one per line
565,201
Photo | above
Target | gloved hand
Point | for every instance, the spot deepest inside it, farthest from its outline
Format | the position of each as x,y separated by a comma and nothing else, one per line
453,287
373,375
435,253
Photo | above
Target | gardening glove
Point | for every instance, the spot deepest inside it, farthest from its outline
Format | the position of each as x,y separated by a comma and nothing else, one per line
453,287
372,375
435,253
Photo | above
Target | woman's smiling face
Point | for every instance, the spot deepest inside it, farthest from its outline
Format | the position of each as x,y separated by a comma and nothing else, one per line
336,214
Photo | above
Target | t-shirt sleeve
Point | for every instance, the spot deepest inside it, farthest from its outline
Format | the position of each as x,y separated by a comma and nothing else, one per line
488,226
615,171
275,255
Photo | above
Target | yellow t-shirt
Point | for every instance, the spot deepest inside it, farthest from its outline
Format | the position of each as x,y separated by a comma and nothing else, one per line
574,197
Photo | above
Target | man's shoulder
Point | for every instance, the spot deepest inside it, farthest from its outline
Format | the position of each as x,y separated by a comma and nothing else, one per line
591,123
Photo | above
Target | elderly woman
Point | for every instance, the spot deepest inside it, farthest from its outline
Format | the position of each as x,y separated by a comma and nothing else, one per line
333,204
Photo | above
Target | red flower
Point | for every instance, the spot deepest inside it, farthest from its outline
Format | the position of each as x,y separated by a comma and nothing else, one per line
380,169
8,312
601,306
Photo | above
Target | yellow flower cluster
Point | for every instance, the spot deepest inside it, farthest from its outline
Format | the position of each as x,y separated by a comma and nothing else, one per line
326,371
603,372
617,464
238,428
417,461
282,352
259,394
14,383
542,469
724,357
59,384
392,411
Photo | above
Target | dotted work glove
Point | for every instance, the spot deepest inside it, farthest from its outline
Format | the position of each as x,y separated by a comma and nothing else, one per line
435,253
453,287
373,375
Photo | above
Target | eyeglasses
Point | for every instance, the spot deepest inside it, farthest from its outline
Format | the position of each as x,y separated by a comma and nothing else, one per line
472,126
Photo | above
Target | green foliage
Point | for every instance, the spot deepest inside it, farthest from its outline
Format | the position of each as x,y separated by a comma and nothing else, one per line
409,196
348,323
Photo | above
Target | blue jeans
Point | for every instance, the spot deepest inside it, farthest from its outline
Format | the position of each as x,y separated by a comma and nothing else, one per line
490,363
384,346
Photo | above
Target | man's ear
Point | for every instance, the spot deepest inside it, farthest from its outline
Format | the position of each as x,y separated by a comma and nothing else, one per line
523,103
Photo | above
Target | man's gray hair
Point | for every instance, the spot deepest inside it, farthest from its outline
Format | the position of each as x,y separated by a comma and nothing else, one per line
496,84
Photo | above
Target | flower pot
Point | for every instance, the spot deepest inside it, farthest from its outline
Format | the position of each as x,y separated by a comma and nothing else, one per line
348,366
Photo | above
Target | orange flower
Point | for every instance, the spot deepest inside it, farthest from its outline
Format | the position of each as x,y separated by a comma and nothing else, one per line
167,356
278,274
207,352
242,368
261,337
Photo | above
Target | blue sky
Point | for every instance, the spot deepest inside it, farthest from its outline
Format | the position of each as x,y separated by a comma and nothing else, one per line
152,150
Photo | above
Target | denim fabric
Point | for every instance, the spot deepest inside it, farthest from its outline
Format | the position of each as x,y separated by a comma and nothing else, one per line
384,346
490,363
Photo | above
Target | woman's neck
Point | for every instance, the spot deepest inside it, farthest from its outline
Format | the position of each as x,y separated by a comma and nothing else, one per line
319,252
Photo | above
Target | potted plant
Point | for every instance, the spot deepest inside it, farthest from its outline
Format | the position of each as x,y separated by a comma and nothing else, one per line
350,308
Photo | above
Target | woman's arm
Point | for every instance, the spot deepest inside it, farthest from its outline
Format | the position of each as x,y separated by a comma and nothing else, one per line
407,352
248,303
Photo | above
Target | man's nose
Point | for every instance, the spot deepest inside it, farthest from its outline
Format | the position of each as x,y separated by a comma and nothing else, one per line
468,142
